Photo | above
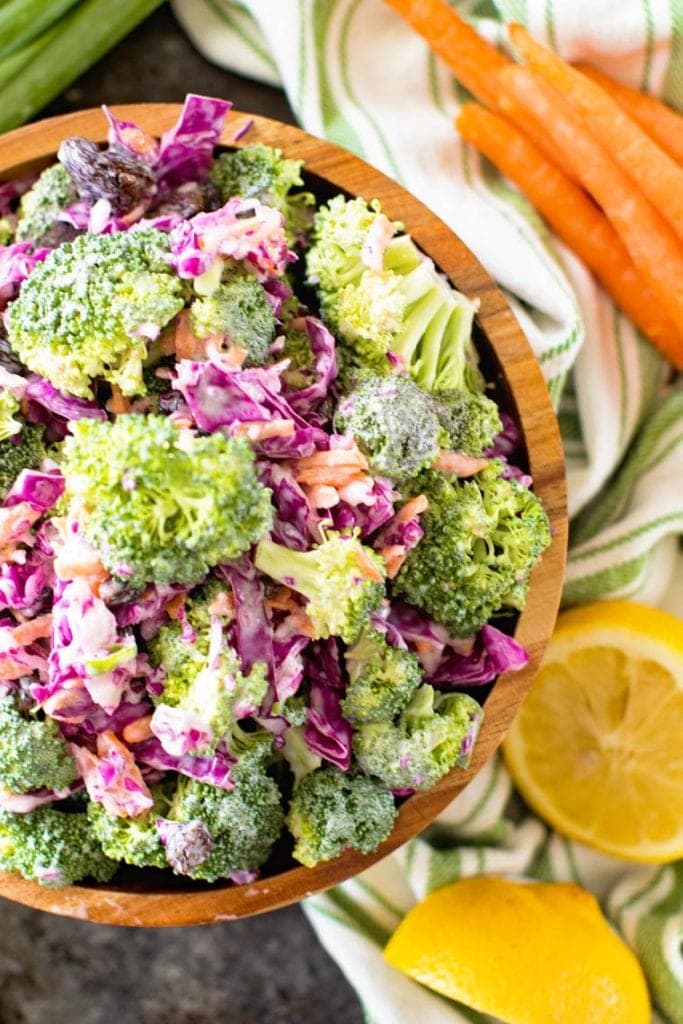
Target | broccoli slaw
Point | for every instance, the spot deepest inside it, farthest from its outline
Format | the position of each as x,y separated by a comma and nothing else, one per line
263,534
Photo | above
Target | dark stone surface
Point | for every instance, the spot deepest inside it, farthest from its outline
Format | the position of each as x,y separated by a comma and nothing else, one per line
266,970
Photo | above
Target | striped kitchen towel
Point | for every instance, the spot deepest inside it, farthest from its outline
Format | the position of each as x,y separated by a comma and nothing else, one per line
483,833
355,74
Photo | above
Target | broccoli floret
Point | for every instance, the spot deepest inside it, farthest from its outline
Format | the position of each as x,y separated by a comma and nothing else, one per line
21,451
133,840
52,848
84,312
40,207
394,424
382,679
259,172
33,753
482,537
470,419
204,677
237,308
243,822
159,503
342,580
9,424
297,349
434,733
6,231
332,811
384,296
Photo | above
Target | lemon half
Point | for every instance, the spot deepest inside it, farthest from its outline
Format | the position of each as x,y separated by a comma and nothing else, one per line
597,747
528,954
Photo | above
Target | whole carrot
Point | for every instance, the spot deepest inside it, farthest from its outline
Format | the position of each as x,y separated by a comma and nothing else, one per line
574,218
473,61
651,243
660,122
657,175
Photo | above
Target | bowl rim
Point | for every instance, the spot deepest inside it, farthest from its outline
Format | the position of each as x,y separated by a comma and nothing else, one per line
27,149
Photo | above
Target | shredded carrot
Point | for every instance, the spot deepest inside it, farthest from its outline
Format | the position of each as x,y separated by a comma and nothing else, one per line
166,341
223,604
329,476
174,606
457,462
661,123
656,174
260,430
283,600
118,402
337,457
15,520
300,623
394,556
323,496
573,217
413,508
368,568
231,358
473,61
78,560
33,629
137,731
187,345
652,245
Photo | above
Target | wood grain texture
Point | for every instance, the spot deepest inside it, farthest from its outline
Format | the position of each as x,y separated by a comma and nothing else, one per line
509,361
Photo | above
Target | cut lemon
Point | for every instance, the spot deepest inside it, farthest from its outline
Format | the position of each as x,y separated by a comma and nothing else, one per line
528,954
596,749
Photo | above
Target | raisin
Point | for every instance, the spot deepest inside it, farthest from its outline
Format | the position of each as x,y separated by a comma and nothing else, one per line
113,174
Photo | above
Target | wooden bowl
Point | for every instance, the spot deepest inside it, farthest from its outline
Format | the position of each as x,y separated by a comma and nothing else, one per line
507,359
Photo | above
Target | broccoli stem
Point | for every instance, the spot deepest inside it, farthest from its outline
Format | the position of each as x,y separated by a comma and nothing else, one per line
63,52
22,21
296,569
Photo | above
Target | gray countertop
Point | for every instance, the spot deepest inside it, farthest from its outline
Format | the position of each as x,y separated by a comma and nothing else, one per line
266,970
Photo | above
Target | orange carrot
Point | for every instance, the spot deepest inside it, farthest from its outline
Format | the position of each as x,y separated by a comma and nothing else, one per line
118,402
283,600
473,61
187,344
367,567
394,556
260,430
323,496
657,175
412,508
661,123
223,604
651,243
33,629
457,462
574,218
137,731
173,608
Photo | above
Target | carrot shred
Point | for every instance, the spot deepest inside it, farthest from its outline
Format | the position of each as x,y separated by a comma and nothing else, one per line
138,731
457,462
652,245
187,345
660,122
260,430
223,604
283,600
574,218
472,60
394,556
323,495
173,607
368,568
118,403
656,174
33,629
